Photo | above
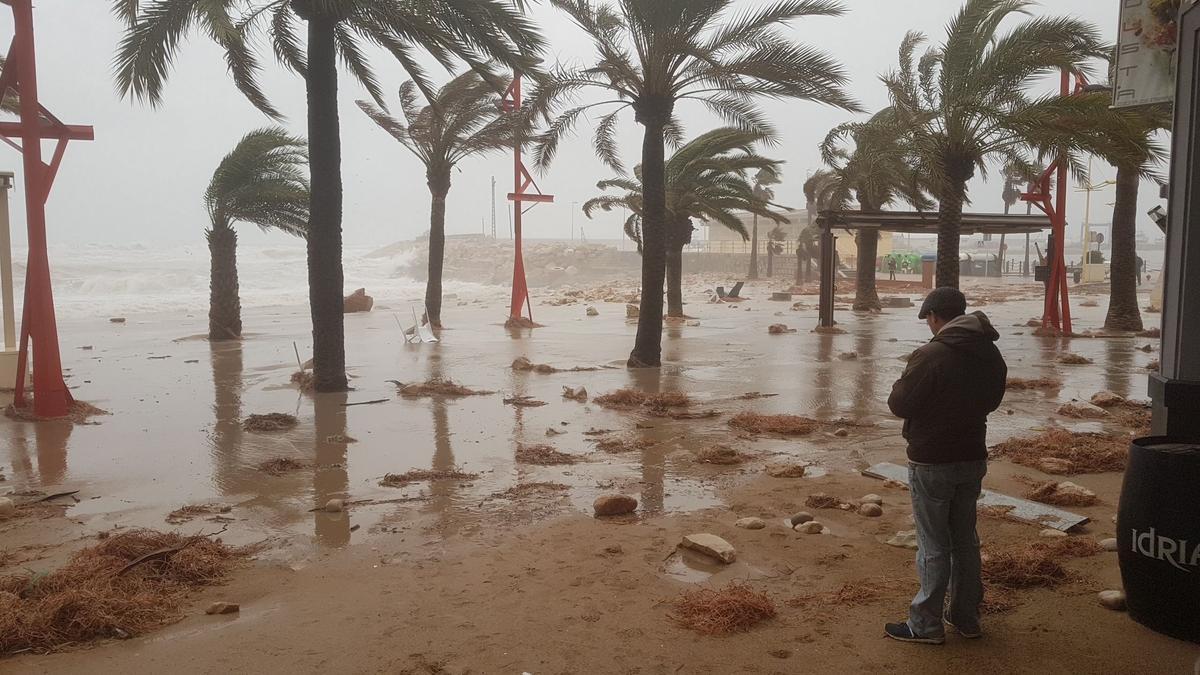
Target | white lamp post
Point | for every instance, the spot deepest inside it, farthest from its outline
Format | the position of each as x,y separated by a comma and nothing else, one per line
8,358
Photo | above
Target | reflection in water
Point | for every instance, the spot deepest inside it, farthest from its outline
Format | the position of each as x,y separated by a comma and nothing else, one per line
50,440
824,406
1118,373
227,431
653,458
330,478
442,492
864,390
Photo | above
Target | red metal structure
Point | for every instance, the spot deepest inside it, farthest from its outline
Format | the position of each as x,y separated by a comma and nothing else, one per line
522,181
1056,310
50,395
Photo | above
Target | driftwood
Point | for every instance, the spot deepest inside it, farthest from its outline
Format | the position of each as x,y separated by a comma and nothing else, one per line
166,552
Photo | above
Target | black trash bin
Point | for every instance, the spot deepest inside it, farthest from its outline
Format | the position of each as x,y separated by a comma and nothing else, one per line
1158,535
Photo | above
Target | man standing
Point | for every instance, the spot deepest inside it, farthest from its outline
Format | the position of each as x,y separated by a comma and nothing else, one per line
944,396
891,269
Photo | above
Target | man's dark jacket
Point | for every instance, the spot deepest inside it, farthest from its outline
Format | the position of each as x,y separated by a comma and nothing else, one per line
947,391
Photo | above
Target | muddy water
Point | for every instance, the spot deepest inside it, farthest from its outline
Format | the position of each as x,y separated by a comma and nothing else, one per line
175,435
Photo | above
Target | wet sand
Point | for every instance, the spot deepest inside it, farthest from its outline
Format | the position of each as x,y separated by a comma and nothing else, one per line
458,574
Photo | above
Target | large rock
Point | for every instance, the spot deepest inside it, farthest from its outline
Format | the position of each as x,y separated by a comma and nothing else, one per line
7,508
1112,600
710,545
614,505
750,523
632,311
592,311
870,510
1082,410
872,499
358,301
785,470
1106,399
1055,465
904,539
800,517
1109,544
1066,487
811,527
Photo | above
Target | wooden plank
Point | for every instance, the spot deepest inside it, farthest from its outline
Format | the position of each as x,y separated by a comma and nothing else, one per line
1020,509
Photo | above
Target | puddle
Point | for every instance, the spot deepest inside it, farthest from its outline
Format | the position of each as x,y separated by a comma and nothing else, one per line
694,568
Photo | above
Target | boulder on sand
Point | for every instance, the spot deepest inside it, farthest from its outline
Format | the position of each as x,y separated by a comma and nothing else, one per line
710,545
358,301
614,505
1106,399
750,523
1082,410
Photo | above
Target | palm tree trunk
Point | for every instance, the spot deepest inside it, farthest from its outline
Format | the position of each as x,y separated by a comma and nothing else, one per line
799,265
1123,312
675,278
866,297
770,260
949,223
647,346
325,280
224,305
439,187
754,249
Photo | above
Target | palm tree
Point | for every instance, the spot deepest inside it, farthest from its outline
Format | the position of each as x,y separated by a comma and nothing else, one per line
878,170
474,31
261,181
706,180
763,180
460,121
965,102
654,54
819,195
774,248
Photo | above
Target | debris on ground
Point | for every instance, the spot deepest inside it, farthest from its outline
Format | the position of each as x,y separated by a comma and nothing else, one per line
523,402
720,454
734,608
1081,410
753,395
1114,600
628,399
811,527
800,517
1106,399
1024,383
304,379
334,506
7,508
437,387
1021,566
340,438
78,412
1151,332
616,446
593,431
789,425
126,585
614,505
710,545
420,475
820,500
223,608
522,364
779,329
848,356
904,539
281,465
849,594
750,523
1152,365
542,454
1089,303
1071,359
580,394
1063,493
185,514
786,470
270,422
870,510
1059,451
526,489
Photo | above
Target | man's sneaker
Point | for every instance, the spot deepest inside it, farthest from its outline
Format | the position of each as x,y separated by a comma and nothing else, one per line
970,635
901,631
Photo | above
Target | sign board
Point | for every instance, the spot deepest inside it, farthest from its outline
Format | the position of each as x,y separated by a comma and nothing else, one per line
1147,52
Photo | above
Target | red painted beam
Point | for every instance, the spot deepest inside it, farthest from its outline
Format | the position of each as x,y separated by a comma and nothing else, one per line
68,132
530,197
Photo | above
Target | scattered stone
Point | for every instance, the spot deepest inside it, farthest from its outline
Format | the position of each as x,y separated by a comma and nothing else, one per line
1112,600
358,301
1055,465
750,523
811,527
711,545
785,470
223,608
693,323
7,508
800,518
632,311
580,394
848,356
551,431
1070,489
1109,544
614,505
872,499
1081,410
1106,399
334,506
779,329
904,539
870,510
1051,533
117,319
592,311
841,432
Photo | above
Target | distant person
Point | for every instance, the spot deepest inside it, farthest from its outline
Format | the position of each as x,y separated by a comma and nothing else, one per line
1141,269
947,390
891,269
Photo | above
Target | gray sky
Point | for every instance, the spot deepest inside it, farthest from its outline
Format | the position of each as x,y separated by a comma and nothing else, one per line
142,179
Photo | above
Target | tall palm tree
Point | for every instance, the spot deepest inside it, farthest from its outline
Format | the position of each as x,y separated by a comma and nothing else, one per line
966,101
706,180
763,180
654,54
263,181
460,121
774,248
819,195
473,31
877,169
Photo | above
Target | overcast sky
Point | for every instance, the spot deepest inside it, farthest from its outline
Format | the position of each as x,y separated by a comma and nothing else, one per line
142,179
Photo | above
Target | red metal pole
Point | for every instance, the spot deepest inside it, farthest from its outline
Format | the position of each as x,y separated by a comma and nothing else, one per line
51,397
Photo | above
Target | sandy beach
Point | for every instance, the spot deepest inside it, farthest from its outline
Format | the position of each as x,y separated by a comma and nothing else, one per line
507,571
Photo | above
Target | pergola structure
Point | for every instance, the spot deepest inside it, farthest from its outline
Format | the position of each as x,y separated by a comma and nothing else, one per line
912,222
38,325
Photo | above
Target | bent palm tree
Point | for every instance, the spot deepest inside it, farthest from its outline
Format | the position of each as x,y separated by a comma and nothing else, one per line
473,31
461,120
763,180
706,180
261,181
878,170
653,54
965,102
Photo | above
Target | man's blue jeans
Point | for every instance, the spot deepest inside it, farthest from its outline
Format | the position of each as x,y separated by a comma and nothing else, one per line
943,499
